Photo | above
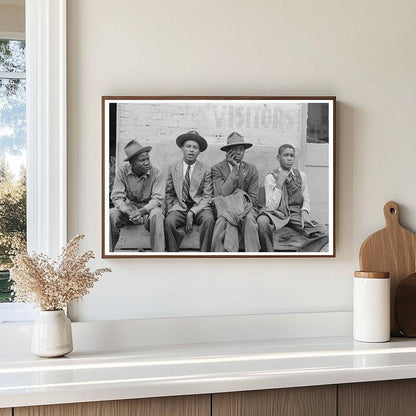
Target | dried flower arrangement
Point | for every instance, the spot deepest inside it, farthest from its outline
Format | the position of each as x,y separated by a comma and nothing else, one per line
53,285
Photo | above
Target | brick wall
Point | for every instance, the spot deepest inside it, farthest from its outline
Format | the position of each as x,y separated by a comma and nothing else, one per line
264,124
267,126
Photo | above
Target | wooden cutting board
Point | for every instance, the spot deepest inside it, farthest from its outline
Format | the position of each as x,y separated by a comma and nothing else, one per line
393,250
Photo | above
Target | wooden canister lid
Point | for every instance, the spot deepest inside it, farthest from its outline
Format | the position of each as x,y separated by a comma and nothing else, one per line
372,275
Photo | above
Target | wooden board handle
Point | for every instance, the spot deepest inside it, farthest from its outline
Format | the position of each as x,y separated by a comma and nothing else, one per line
391,214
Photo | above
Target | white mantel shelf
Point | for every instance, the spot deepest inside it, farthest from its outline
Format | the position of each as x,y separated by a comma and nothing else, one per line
151,371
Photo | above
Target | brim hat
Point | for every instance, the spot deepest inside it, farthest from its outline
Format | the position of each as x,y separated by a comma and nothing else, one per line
133,148
192,135
235,139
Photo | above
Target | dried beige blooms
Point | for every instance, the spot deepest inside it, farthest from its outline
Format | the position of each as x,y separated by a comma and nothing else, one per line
53,285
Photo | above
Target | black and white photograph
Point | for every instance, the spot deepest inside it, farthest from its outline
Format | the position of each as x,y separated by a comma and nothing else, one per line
218,176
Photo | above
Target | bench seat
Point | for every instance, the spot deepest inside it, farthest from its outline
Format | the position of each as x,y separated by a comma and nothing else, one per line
137,238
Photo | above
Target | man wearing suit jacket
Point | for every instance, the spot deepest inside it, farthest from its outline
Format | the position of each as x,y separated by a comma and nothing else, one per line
228,176
189,194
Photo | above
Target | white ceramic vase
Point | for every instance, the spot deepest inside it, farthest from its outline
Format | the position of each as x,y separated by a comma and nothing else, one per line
52,334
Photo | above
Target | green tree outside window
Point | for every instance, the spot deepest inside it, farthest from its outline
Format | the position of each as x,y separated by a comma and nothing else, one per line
12,146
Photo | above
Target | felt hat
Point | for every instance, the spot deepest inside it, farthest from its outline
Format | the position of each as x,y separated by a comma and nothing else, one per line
133,148
235,139
192,135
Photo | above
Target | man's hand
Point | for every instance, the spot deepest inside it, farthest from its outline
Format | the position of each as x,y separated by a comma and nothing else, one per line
126,210
304,217
189,222
280,215
229,156
137,216
282,178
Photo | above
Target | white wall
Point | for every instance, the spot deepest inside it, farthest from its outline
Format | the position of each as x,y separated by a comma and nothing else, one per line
361,51
12,18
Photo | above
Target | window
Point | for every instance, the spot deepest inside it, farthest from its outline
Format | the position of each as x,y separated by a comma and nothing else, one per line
317,126
12,153
45,26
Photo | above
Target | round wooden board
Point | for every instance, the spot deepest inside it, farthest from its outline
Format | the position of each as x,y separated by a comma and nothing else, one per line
405,306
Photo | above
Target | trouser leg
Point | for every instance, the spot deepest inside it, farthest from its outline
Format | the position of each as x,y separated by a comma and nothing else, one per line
265,228
205,219
155,226
219,235
251,233
317,235
117,220
174,229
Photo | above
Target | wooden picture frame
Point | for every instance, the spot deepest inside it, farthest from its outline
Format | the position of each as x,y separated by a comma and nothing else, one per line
289,194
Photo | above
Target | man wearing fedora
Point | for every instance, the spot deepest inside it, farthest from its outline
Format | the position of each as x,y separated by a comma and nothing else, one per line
138,196
231,176
189,194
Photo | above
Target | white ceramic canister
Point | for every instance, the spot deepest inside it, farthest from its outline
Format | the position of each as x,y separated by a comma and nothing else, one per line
371,305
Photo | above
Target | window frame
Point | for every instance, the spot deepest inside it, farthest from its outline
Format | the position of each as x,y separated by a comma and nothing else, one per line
12,35
46,137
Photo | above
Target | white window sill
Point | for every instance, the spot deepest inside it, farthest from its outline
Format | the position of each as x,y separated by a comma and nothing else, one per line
16,313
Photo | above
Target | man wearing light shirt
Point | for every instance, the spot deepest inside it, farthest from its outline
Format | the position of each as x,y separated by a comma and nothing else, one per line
288,204
138,196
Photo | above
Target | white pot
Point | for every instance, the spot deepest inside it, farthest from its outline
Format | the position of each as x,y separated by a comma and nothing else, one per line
52,334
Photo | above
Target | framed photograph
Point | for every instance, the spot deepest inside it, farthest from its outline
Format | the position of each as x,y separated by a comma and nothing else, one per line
218,177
